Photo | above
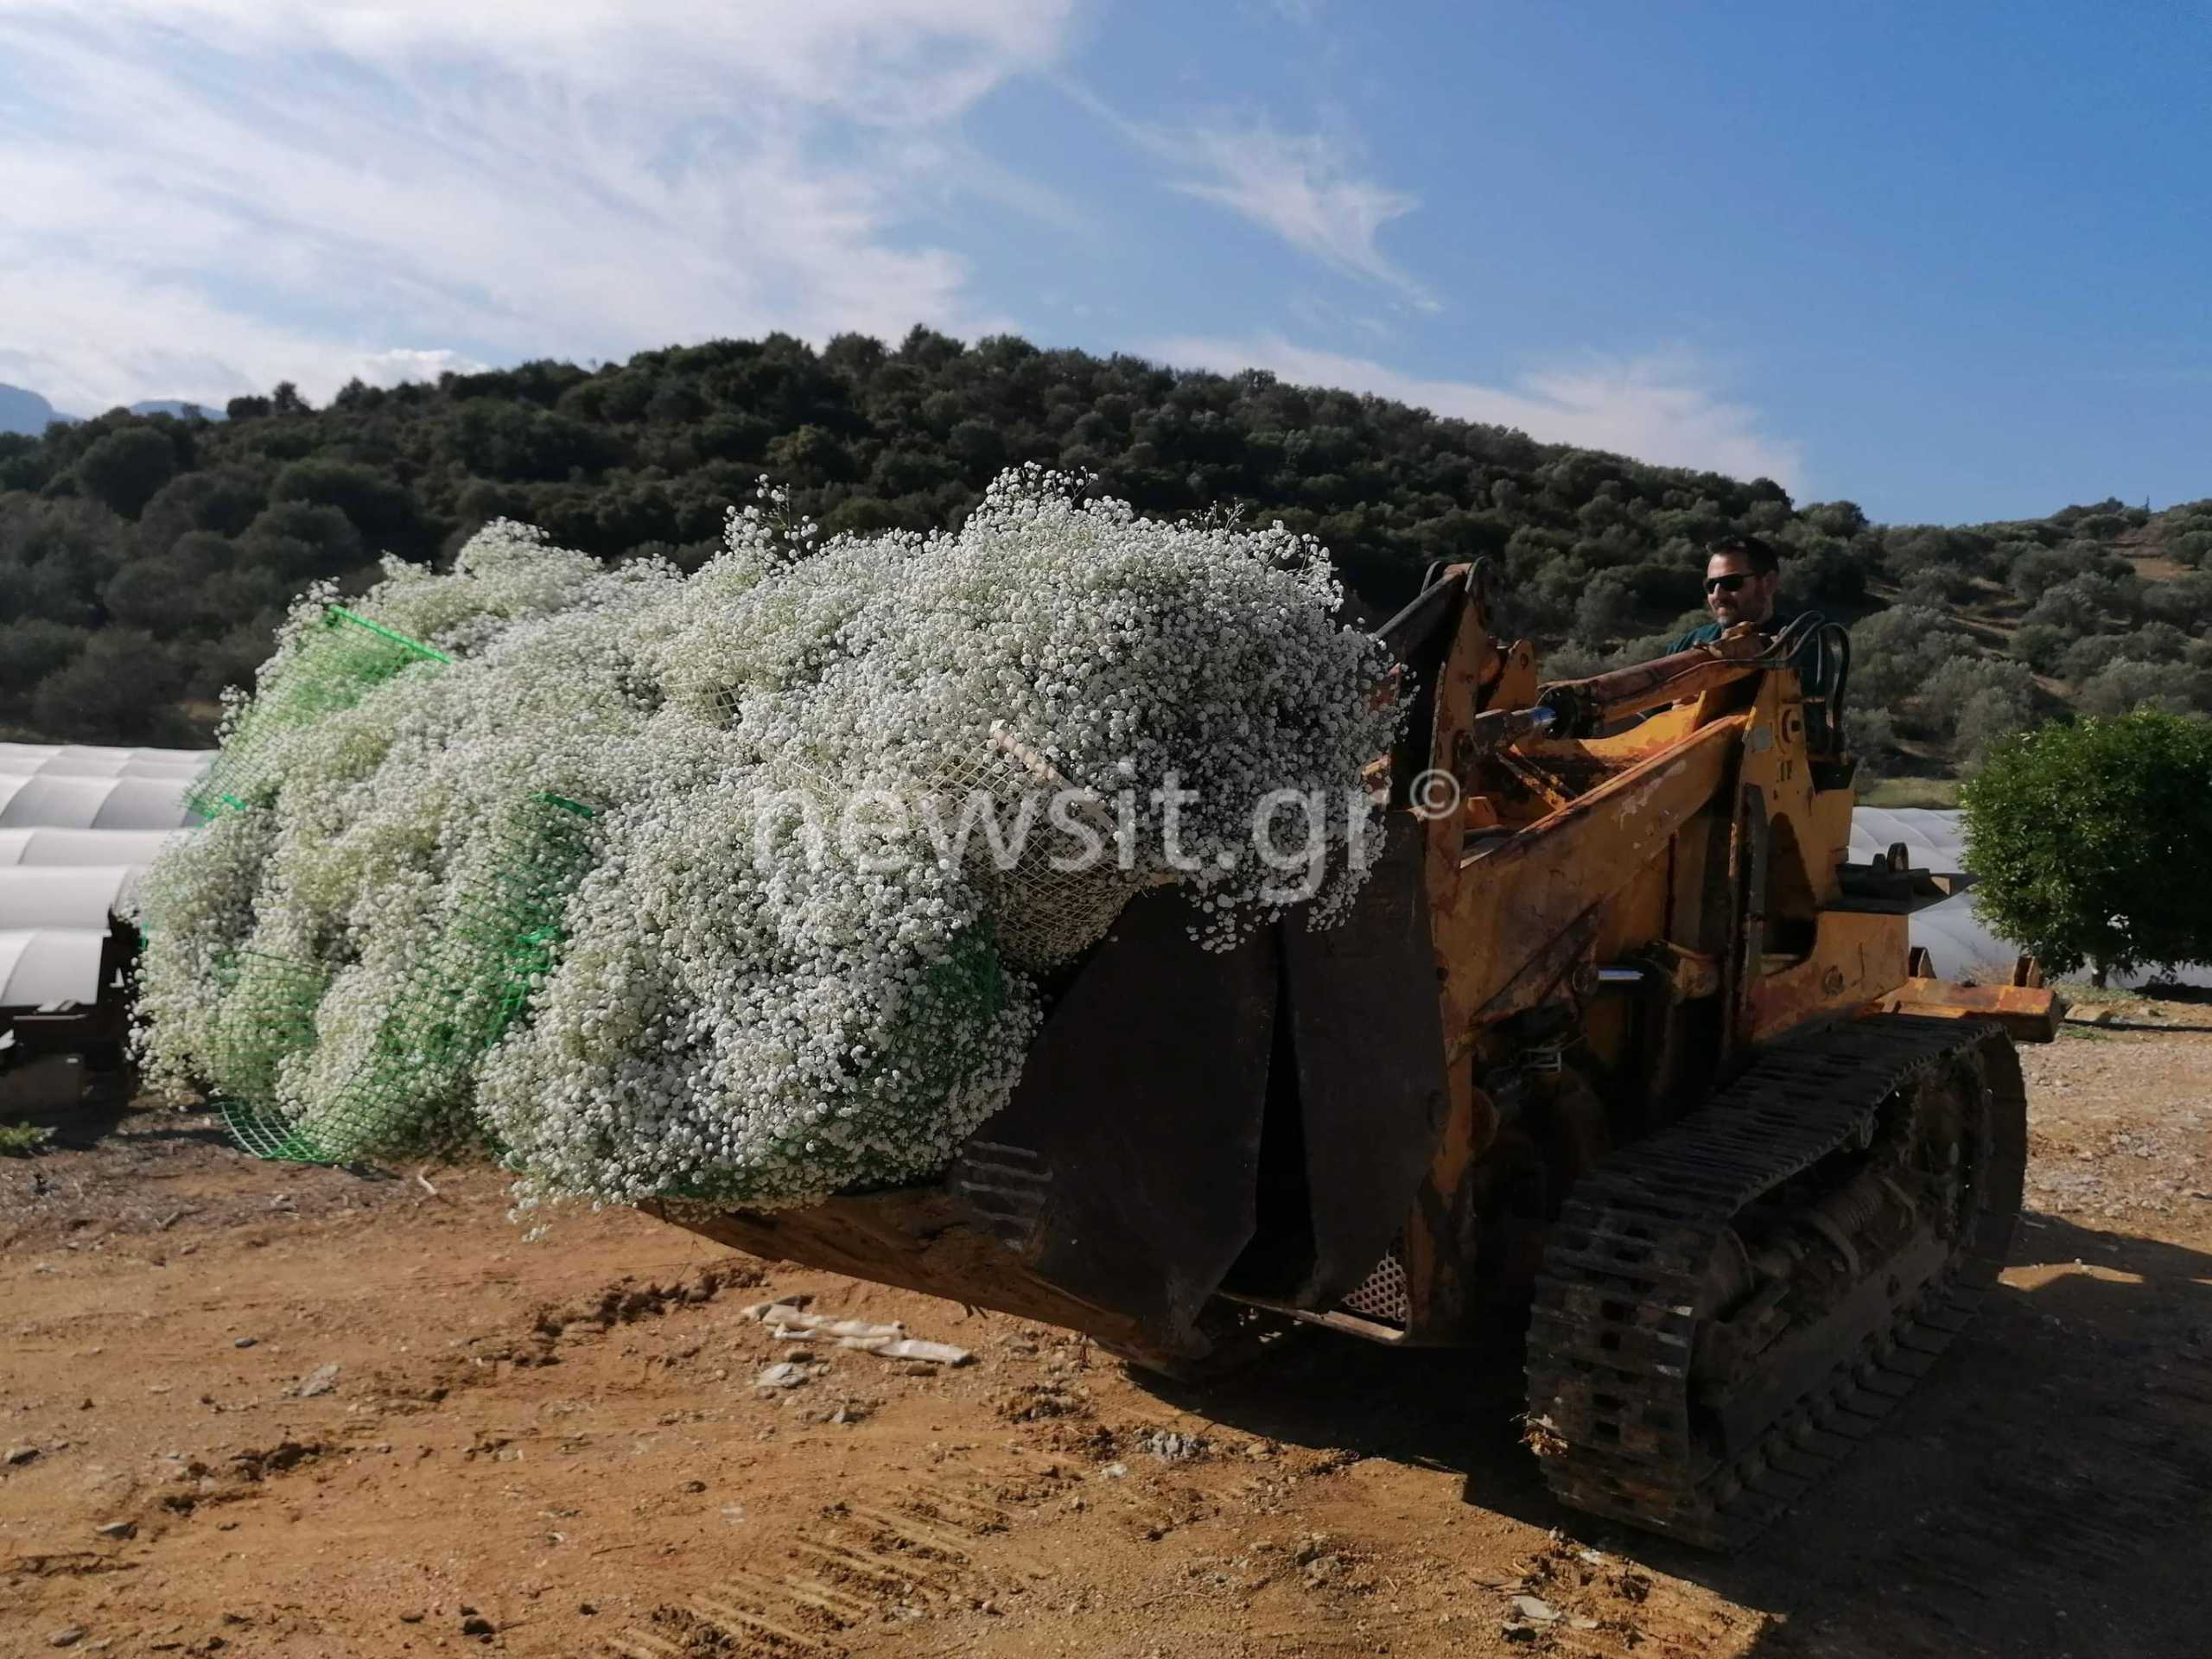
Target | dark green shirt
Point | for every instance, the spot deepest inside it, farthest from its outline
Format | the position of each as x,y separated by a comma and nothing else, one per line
1710,634
1805,660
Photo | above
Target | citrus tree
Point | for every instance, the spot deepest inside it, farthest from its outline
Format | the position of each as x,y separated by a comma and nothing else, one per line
2090,841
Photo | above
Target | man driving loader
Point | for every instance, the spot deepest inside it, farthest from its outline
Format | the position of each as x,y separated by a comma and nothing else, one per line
1743,579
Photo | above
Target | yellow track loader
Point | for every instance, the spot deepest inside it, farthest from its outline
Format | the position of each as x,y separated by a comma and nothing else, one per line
1615,1038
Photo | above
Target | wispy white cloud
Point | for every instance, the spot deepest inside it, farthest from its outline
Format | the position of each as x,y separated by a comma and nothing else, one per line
1660,408
1304,188
206,195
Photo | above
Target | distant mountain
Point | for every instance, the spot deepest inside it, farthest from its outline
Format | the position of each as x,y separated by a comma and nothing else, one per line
172,406
25,411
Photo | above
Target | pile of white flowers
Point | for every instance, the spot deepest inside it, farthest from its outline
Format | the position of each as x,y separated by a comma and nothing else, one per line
757,994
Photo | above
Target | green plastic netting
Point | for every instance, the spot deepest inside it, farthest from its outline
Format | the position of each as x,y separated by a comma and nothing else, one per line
330,672
265,1013
412,1094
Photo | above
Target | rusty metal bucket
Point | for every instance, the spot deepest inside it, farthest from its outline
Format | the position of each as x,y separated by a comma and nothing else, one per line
1188,1123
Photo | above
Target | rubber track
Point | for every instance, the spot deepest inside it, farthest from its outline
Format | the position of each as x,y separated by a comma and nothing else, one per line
1614,1323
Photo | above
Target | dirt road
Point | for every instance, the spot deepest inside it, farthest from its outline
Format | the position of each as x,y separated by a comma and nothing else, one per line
257,1410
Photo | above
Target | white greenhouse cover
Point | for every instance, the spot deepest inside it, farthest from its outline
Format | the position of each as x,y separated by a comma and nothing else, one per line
39,800
82,761
1953,935
50,964
49,848
81,895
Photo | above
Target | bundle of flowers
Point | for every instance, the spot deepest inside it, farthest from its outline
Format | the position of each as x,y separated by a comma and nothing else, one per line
786,949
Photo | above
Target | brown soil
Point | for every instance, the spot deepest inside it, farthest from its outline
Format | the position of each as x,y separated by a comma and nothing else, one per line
556,1447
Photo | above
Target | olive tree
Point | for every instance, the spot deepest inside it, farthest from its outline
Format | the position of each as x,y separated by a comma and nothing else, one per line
1977,701
2088,841
125,468
1894,651
2124,683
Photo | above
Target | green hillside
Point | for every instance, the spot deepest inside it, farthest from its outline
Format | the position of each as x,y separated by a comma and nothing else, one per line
144,559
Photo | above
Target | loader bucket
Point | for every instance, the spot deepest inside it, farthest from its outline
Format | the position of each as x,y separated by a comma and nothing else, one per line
1188,1121
1191,1125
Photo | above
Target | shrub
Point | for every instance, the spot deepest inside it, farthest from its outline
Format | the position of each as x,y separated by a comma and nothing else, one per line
2186,603
1932,587
22,1139
2157,642
2038,569
31,648
1905,550
1572,663
299,541
1606,604
1976,701
2089,603
1872,734
2124,683
2040,645
124,469
1842,519
2085,658
1645,648
1893,652
102,693
1990,715
1817,569
378,507
223,499
2087,840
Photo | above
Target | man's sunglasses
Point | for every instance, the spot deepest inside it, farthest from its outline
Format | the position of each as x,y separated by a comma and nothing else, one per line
1727,584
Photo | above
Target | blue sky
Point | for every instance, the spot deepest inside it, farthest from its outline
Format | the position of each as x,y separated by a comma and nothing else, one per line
1949,260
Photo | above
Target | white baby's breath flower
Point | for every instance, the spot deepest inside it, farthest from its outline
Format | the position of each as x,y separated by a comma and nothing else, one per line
738,1011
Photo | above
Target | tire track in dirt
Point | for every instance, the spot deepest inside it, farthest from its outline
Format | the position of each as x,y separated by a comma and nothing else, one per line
857,1568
